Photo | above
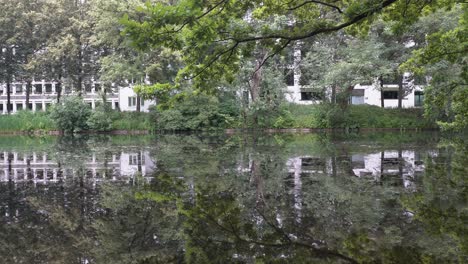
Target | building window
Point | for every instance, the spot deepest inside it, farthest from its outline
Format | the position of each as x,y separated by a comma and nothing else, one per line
418,98
116,105
97,87
58,87
132,101
19,107
88,87
1,107
390,95
133,159
311,96
289,77
19,88
48,88
142,102
38,88
38,106
30,106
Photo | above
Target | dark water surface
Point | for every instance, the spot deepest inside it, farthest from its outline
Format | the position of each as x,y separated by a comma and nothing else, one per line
313,198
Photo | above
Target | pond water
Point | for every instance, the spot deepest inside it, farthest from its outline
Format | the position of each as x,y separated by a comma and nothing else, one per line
244,198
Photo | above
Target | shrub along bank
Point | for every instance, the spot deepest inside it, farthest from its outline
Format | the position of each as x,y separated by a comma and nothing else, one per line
357,116
199,114
75,116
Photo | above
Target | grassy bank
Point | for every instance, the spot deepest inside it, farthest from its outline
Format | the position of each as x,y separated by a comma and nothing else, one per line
27,121
296,116
356,116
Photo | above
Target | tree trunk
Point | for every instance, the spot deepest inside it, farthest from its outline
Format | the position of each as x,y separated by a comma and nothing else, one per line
58,89
28,92
256,81
9,75
8,90
400,91
382,103
138,104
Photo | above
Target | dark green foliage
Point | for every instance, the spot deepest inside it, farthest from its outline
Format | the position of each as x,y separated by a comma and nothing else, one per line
357,116
71,115
26,121
100,118
196,112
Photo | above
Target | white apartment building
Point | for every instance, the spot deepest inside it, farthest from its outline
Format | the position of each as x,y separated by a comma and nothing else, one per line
44,94
361,94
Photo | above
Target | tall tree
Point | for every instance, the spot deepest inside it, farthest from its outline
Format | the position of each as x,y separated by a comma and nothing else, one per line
215,35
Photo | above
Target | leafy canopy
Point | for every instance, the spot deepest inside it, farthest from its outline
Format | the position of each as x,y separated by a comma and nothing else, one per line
213,36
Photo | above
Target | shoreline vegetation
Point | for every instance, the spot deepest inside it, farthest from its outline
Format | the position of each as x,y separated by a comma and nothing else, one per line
294,119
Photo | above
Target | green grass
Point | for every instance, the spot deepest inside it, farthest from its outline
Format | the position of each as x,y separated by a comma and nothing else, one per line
131,121
303,116
361,116
35,121
26,121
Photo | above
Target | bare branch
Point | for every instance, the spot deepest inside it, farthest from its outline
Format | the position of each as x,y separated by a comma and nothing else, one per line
316,2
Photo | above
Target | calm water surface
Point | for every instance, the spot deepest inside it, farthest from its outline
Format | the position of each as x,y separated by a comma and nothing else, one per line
313,198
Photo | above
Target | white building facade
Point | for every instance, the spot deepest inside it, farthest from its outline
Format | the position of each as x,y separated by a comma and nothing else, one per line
44,94
361,94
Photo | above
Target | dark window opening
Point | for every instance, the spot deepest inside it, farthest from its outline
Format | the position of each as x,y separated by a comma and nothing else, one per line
38,106
48,88
311,96
1,107
19,88
289,77
117,105
88,87
58,87
30,105
38,88
390,94
97,87
418,98
19,107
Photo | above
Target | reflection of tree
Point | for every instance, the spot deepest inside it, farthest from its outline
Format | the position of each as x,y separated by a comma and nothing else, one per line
51,226
135,230
232,199
441,205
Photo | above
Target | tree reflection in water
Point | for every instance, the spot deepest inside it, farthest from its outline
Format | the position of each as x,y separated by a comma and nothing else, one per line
267,199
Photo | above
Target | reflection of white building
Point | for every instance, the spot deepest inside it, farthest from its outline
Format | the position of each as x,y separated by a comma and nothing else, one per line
44,94
42,168
399,167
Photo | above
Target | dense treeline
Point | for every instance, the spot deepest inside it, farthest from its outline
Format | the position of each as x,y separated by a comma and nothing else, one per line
218,63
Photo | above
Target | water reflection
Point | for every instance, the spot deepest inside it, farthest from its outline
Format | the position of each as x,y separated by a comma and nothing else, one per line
241,199
43,168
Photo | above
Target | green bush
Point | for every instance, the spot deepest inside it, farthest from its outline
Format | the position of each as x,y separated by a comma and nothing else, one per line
100,119
71,115
195,112
131,120
26,120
